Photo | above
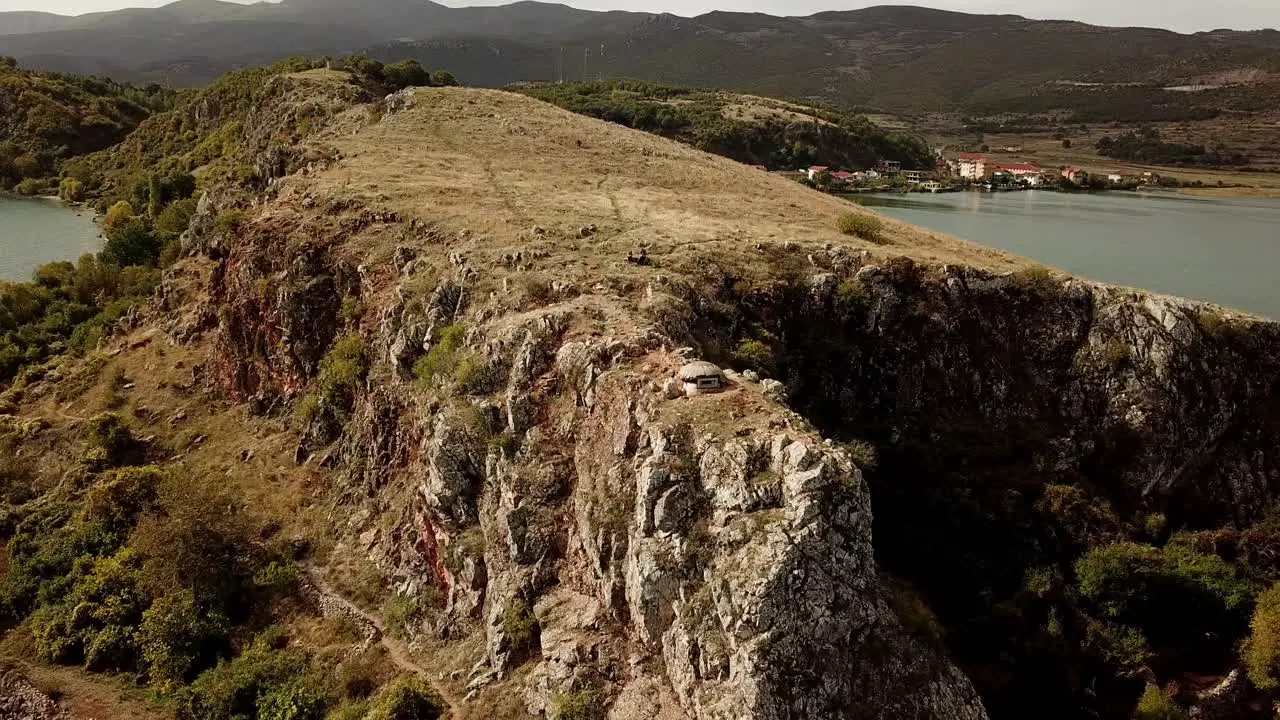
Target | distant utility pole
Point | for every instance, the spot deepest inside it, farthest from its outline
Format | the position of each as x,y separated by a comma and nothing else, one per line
560,67
586,54
600,74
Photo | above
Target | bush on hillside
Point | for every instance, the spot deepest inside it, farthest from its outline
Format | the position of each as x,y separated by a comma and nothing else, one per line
1262,649
407,699
331,398
110,439
233,689
442,359
1175,597
576,705
178,640
1156,704
834,137
861,225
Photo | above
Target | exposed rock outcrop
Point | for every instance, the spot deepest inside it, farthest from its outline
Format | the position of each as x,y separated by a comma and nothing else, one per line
522,454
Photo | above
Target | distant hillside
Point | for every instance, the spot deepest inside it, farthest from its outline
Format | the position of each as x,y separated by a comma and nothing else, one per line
899,59
749,129
46,118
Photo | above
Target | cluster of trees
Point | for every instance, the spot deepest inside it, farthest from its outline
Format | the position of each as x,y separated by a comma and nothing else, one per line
698,118
47,118
1145,145
169,580
391,77
70,307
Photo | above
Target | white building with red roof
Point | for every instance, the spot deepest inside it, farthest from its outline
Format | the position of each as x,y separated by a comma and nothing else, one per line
973,166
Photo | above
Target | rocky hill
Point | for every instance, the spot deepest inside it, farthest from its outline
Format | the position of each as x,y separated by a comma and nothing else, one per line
425,389
895,58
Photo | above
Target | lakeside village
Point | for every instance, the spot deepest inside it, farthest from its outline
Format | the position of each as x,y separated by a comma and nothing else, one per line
971,171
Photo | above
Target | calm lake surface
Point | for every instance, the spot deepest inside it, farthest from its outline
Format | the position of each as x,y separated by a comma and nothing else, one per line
1223,251
34,232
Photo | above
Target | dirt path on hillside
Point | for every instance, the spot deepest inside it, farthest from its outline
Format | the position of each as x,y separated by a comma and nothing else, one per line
333,604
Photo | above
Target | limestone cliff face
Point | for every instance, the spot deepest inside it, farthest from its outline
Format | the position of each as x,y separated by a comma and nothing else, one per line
712,557
1167,402
983,392
706,557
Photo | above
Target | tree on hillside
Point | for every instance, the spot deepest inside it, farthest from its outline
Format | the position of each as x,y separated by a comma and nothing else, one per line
443,78
406,73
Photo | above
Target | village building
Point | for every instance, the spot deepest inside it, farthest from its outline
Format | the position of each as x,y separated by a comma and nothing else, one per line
889,167
1020,171
972,166
814,170
914,177
1075,175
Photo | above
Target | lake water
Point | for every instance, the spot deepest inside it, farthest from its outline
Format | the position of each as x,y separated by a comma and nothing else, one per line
34,232
1223,251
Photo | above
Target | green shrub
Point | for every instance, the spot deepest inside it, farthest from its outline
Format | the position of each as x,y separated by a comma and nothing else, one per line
407,699
1157,705
852,294
178,640
755,355
470,374
519,624
298,700
863,454
341,371
442,359
862,225
233,689
351,310
109,434
71,190
175,218
94,621
1117,355
198,540
576,705
229,222
1174,597
133,243
1262,649
350,710
1037,282
278,576
121,496
31,187
911,610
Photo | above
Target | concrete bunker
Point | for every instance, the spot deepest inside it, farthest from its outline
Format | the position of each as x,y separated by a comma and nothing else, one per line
701,377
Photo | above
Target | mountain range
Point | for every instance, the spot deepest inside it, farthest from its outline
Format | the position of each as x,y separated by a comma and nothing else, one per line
896,58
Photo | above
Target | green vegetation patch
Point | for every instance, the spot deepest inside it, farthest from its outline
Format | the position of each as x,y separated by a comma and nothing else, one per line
1146,146
48,118
863,226
698,118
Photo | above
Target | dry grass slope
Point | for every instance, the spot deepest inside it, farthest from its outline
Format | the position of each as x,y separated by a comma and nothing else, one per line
498,164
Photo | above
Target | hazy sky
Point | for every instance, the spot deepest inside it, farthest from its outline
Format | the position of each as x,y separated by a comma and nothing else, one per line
1184,15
